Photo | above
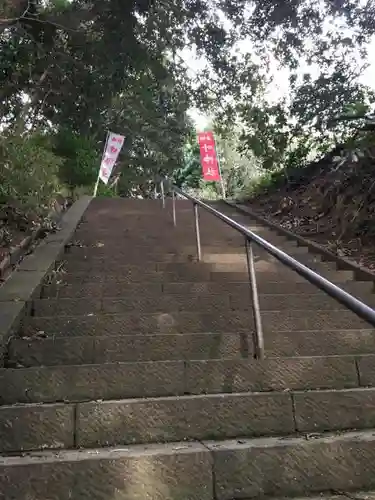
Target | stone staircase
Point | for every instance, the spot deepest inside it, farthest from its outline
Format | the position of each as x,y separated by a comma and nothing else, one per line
133,375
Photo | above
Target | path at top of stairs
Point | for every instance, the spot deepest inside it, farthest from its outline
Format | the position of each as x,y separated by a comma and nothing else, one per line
133,376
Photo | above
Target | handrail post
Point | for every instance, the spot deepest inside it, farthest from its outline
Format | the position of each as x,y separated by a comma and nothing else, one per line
174,207
197,232
355,305
258,340
162,192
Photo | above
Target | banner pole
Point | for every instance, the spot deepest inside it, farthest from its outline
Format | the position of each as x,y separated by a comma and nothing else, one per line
221,176
98,178
220,171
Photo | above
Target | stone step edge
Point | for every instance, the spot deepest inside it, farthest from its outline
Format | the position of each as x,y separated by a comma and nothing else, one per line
211,287
229,468
124,380
87,424
60,351
129,336
105,305
245,312
318,293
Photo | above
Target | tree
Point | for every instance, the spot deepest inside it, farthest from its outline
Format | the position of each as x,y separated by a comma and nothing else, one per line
79,159
190,173
63,71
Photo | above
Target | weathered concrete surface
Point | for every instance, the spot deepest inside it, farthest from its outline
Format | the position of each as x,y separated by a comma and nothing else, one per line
165,378
272,374
22,286
25,282
278,302
173,302
86,350
356,495
366,368
109,349
34,427
63,290
165,419
132,323
192,322
335,410
178,471
183,418
91,382
271,466
51,352
148,304
287,275
10,317
44,258
312,343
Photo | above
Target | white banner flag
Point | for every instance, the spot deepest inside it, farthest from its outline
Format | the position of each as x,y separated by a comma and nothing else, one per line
111,152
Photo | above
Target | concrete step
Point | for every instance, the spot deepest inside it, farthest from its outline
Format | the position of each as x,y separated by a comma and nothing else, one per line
137,276
190,322
164,262
246,468
179,471
197,274
362,289
162,303
212,261
170,378
316,343
297,466
174,302
54,351
85,350
161,253
183,418
340,495
283,275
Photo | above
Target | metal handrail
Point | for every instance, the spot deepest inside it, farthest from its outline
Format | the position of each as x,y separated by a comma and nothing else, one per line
362,310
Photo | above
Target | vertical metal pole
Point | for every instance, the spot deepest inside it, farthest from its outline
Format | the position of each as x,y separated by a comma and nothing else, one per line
221,177
100,166
162,193
258,334
197,232
174,207
220,170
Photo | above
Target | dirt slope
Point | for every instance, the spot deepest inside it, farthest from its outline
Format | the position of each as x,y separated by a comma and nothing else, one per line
331,201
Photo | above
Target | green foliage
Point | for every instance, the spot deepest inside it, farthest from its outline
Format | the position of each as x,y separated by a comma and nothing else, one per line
28,170
79,159
89,67
107,191
75,69
190,174
257,185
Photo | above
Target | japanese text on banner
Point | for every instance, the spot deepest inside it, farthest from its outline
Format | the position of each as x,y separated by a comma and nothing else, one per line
209,161
112,150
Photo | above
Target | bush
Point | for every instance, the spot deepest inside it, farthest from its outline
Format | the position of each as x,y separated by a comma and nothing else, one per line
28,171
80,159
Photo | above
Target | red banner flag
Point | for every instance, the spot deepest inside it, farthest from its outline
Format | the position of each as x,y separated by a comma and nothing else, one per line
209,161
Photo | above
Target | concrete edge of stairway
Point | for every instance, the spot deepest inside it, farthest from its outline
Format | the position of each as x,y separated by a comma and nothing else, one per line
360,273
204,470
24,283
